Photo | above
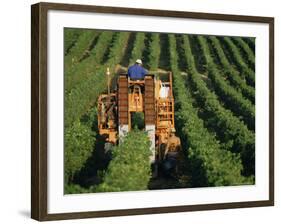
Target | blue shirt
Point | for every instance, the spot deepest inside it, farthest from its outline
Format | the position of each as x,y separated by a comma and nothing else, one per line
136,72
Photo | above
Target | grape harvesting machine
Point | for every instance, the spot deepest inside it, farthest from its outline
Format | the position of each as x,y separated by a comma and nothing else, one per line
152,96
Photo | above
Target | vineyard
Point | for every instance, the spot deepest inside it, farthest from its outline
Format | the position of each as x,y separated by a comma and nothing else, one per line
214,90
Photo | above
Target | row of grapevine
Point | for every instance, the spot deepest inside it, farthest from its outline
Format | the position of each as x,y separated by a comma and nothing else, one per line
129,168
79,141
251,42
231,74
249,56
231,98
84,95
84,69
154,52
245,71
79,137
210,164
230,130
70,37
80,48
138,48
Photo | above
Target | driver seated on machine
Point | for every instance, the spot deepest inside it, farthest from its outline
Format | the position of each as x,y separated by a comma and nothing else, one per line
136,71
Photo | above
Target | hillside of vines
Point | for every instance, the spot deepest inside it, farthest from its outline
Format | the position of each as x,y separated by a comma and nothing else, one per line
214,91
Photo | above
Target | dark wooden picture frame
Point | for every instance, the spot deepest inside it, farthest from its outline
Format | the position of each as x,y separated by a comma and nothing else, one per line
39,106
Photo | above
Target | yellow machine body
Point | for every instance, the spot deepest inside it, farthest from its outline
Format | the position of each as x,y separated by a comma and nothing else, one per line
153,96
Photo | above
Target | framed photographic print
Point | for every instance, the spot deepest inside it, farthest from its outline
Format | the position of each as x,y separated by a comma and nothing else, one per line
139,111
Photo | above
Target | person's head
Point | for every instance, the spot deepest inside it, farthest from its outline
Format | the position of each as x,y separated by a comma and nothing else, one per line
139,62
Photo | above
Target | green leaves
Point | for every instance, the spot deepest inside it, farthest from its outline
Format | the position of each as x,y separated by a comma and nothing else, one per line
129,169
82,71
232,99
79,142
210,164
84,94
79,137
80,48
248,54
228,127
154,52
232,75
70,37
240,63
138,48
